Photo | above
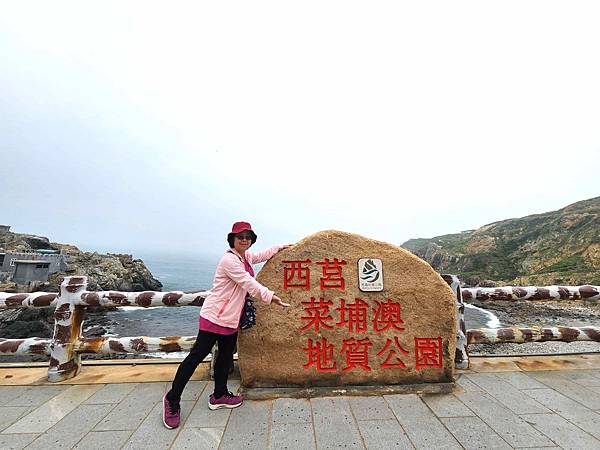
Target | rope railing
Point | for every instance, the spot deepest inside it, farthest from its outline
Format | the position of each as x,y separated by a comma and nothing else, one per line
32,300
68,344
28,346
532,334
135,345
587,291
143,299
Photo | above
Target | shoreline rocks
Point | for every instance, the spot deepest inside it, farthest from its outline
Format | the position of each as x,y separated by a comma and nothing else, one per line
110,272
521,313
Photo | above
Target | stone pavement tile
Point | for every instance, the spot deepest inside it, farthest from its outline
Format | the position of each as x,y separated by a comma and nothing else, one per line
232,385
111,393
334,425
520,380
467,384
248,426
16,441
152,434
198,439
291,410
571,410
131,412
577,392
420,424
202,417
586,378
73,427
446,405
592,372
562,432
507,394
192,390
51,412
384,435
11,414
106,440
36,395
9,393
370,408
473,433
538,448
503,421
296,436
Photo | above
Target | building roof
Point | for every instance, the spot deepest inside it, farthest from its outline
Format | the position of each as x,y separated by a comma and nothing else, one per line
29,261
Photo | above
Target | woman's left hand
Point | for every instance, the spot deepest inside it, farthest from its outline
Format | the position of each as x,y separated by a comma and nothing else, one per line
279,302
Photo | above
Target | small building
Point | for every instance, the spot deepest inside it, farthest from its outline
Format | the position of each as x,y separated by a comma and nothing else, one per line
30,270
4,228
57,260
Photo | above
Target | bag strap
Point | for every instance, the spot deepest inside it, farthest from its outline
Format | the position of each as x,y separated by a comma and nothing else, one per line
247,294
238,257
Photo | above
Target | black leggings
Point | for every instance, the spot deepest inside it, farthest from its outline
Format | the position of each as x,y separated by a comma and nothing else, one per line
204,344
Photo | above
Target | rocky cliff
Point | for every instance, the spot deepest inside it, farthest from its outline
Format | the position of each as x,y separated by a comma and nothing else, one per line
105,272
557,247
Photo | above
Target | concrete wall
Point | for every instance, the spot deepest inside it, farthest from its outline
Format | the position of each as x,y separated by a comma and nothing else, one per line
58,262
25,273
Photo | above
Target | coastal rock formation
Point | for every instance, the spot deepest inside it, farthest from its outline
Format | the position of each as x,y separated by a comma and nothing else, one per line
557,247
105,272
336,334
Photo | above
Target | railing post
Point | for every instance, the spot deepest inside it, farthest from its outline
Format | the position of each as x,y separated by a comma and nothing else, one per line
65,362
461,358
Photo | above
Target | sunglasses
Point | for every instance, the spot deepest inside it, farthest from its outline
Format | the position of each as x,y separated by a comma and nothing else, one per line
244,236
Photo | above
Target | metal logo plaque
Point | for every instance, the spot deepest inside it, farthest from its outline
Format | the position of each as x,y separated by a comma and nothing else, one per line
370,275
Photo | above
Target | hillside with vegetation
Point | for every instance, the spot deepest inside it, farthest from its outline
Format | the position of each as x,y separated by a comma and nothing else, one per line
557,247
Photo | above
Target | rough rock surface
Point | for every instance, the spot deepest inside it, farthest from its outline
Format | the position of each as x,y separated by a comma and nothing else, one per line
273,353
117,272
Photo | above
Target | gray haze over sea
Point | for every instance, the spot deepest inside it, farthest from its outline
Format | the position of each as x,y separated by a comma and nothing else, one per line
191,273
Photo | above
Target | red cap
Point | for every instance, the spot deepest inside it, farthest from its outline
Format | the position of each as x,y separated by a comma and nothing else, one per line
238,227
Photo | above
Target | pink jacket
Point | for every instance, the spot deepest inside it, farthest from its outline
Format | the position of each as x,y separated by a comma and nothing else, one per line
224,302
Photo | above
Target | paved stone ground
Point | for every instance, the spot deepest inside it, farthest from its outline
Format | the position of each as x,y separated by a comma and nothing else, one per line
553,409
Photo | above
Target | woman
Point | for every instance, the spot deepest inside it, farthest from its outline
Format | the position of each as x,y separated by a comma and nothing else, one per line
220,318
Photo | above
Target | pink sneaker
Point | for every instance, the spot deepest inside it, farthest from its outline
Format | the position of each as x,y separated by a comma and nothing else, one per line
226,401
171,413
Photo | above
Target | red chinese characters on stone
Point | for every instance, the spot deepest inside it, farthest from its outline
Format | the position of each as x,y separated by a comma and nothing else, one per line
392,361
332,274
353,315
387,315
357,354
317,314
320,355
428,353
296,274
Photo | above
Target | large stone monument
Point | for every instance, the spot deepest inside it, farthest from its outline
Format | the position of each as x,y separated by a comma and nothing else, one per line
363,313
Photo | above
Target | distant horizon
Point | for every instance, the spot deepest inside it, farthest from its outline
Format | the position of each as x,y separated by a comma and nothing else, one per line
215,254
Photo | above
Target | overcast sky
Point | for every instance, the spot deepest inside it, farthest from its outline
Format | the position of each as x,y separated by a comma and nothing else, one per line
138,126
